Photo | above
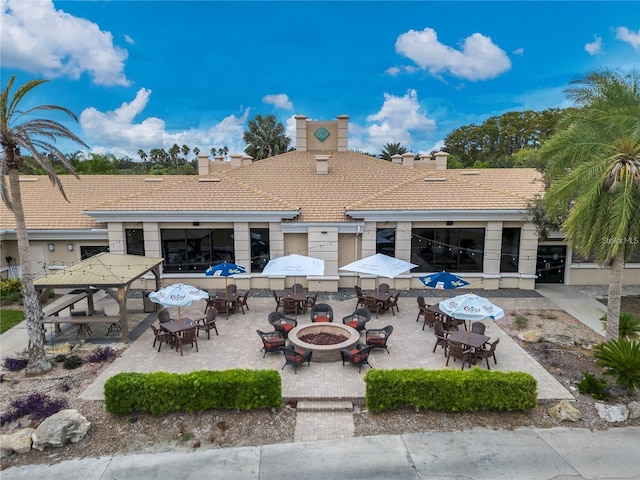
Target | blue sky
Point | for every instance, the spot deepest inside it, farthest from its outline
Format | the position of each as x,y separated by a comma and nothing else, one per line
153,74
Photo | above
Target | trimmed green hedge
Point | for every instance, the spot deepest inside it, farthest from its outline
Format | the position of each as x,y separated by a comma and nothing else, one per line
450,390
162,392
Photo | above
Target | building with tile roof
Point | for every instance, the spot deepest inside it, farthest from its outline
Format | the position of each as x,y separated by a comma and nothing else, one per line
321,200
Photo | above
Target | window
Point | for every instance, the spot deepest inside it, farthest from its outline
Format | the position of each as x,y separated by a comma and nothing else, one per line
135,241
90,251
259,248
194,250
386,241
509,252
450,249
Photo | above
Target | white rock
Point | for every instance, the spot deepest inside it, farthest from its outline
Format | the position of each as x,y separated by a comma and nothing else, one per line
612,413
60,428
19,442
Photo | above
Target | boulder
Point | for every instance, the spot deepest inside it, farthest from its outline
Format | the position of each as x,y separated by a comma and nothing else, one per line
565,411
19,442
612,413
530,336
634,410
60,428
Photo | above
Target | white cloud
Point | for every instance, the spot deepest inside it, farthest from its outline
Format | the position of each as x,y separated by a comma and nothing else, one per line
626,35
39,39
398,120
129,40
518,51
116,131
478,59
595,47
280,100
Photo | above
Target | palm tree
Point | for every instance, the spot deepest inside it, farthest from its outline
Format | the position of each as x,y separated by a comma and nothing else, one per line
36,136
265,137
143,156
391,149
594,172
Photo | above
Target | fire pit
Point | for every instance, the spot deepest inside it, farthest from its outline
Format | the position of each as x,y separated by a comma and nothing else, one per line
324,353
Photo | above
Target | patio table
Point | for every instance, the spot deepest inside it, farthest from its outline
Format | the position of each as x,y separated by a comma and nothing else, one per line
474,340
174,327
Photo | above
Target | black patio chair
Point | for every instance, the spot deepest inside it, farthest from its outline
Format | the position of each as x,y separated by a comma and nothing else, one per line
295,358
358,356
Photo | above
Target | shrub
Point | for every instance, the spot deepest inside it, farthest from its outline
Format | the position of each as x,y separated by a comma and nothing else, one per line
101,354
71,362
15,364
592,385
37,406
521,321
620,358
10,290
61,357
628,327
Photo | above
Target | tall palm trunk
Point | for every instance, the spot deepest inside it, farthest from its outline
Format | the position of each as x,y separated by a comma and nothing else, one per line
615,295
38,360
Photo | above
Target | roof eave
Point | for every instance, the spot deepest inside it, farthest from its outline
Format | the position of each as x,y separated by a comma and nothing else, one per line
438,215
191,215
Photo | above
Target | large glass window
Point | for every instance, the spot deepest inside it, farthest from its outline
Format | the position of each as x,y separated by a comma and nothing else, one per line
386,241
135,241
509,252
259,248
450,249
194,250
90,251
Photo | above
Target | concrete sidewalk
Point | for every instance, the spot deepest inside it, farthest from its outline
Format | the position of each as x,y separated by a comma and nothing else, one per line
523,454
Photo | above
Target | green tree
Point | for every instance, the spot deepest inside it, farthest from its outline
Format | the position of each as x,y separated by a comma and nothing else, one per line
391,149
143,156
265,137
20,130
593,171
98,164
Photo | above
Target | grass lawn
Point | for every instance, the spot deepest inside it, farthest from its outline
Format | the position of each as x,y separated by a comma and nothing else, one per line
9,318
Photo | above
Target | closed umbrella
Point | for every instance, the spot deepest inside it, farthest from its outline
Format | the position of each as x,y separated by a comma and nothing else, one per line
224,269
379,265
178,295
443,281
294,265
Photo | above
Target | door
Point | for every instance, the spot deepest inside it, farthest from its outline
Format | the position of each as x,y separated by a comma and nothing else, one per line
550,264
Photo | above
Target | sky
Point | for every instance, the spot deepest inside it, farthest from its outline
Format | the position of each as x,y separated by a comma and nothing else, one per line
151,74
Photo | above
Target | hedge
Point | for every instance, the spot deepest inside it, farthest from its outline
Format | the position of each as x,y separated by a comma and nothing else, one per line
450,390
162,392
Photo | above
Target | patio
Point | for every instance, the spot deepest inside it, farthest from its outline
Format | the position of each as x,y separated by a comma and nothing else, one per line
238,346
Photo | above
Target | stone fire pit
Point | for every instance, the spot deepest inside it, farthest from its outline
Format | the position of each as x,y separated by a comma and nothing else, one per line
324,353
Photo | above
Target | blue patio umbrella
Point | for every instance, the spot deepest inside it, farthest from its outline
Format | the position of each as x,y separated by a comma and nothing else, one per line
443,281
224,269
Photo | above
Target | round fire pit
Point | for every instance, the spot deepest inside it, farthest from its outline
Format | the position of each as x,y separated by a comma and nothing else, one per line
324,353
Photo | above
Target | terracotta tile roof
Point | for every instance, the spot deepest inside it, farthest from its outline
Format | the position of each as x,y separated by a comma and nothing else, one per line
288,182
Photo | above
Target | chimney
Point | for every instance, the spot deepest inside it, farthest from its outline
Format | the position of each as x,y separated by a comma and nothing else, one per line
322,164
407,159
441,160
203,164
236,160
247,160
343,133
396,159
301,133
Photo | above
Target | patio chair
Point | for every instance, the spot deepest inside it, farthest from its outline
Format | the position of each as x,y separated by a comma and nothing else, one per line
360,295
430,318
290,305
422,307
272,342
282,323
478,327
384,287
161,337
459,351
295,358
242,302
378,337
188,337
392,304
208,322
358,356
441,337
487,353
163,316
321,312
231,289
373,305
297,287
358,319
278,299
310,301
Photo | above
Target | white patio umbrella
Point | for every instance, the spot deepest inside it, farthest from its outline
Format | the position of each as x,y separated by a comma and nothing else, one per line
471,307
294,265
178,295
380,265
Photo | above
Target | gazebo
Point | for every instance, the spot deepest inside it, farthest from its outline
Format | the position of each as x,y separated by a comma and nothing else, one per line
108,271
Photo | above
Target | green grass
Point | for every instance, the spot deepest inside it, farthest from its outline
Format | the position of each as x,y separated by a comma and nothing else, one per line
10,318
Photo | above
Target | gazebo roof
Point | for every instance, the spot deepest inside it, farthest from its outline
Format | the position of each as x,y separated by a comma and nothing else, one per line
102,270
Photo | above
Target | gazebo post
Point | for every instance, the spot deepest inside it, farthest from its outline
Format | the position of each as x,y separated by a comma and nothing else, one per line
124,322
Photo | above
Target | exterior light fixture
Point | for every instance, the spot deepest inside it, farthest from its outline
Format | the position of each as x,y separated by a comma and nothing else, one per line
52,247
70,247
